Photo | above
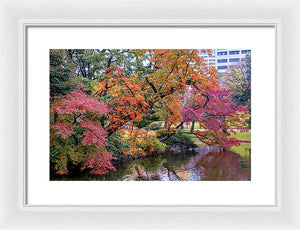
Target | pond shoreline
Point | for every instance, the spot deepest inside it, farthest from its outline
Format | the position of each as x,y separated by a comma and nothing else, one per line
200,163
170,150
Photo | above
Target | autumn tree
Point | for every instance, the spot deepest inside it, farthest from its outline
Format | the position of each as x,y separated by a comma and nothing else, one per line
218,117
124,87
77,135
159,84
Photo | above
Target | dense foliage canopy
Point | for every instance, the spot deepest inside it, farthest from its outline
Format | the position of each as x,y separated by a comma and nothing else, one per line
107,104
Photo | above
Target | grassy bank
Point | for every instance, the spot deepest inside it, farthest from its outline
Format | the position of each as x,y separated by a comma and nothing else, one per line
244,136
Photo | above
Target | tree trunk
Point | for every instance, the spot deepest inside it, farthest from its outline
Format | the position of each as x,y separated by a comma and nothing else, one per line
164,138
193,126
181,127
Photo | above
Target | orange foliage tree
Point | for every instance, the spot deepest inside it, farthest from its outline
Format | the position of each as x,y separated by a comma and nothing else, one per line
161,84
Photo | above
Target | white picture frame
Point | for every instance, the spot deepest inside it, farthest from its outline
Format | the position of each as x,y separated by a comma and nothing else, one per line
260,191
14,19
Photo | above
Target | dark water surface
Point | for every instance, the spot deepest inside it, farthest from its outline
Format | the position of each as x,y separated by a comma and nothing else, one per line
204,163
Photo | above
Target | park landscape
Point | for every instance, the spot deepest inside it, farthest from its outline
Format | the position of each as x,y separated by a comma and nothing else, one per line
148,115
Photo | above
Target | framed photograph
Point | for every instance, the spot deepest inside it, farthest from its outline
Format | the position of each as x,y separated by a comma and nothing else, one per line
149,120
171,117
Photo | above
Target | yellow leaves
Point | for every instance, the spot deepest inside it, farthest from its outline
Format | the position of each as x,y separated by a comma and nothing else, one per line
141,141
115,92
171,110
99,87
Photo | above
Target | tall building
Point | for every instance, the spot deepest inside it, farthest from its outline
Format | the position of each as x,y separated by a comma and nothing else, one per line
222,59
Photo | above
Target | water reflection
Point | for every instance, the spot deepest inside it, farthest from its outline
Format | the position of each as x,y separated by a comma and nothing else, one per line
204,163
223,166
213,166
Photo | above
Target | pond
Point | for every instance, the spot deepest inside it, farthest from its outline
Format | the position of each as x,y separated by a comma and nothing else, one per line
202,164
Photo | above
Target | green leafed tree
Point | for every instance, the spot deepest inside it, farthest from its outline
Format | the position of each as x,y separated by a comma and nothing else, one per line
238,79
60,73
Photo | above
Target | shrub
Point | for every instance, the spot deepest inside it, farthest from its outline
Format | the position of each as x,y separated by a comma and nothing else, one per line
182,140
155,126
146,121
117,145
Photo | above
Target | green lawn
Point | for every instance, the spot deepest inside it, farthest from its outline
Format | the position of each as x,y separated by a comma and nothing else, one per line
243,149
238,135
196,140
244,136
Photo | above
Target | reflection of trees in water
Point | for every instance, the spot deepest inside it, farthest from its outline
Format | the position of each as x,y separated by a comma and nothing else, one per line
172,175
223,166
205,164
152,164
161,167
179,159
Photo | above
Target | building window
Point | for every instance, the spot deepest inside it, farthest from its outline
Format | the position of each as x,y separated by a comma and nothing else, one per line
234,52
222,60
234,60
222,67
222,53
246,51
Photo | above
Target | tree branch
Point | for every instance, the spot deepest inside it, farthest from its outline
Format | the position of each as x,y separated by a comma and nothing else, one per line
152,86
